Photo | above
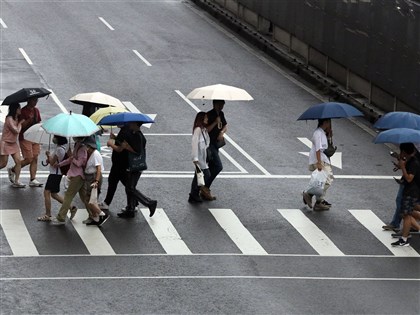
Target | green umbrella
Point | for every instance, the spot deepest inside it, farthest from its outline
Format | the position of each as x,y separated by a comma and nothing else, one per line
70,125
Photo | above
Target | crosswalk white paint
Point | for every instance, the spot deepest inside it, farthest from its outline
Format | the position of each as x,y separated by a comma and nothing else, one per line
92,237
374,225
310,232
239,234
165,232
16,233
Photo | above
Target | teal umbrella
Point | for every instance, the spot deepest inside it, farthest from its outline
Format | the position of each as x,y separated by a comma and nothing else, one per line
70,125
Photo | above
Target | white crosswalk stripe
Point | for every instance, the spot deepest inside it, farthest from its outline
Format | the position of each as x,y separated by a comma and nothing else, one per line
368,219
166,233
16,233
237,232
310,232
92,237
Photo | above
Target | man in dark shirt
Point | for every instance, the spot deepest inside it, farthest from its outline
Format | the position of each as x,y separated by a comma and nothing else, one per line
118,168
410,168
217,126
134,142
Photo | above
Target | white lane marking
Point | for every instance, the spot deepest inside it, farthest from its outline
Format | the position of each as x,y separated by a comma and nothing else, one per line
59,104
25,55
3,112
142,58
166,233
233,161
132,108
229,139
16,233
210,277
310,232
151,174
2,23
336,159
106,23
239,234
374,225
92,237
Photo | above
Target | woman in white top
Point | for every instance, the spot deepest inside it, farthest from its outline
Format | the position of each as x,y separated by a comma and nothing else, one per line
318,160
200,143
52,186
93,179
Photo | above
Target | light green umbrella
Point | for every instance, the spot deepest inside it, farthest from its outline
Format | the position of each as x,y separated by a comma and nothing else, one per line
70,125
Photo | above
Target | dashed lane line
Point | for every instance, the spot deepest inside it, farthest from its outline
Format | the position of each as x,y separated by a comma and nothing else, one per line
25,55
106,23
142,58
2,23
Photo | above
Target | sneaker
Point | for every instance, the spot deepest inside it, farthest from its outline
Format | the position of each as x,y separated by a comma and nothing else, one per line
93,222
319,206
103,206
389,227
103,219
401,242
73,212
326,203
399,235
35,183
55,221
307,199
126,214
88,220
11,174
18,185
152,208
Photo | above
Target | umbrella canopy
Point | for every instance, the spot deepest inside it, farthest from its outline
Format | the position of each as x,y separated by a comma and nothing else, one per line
123,118
98,99
220,92
37,134
398,135
23,95
106,111
398,120
330,110
70,125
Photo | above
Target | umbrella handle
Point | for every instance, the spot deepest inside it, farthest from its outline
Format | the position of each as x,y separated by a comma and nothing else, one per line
46,163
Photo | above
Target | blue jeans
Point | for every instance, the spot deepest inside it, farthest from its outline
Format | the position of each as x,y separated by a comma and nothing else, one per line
396,219
215,165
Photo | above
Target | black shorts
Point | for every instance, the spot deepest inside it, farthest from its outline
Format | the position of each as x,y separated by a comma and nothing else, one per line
407,205
53,183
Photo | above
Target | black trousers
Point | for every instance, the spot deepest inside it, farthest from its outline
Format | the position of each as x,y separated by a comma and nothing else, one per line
133,195
116,175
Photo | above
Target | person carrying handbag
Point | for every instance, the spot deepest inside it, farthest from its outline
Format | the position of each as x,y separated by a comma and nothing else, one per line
200,143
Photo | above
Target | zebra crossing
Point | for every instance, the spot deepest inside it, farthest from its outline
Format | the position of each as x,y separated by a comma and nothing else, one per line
21,244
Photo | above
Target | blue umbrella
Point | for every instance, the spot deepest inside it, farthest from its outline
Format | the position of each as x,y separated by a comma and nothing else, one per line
398,135
70,125
330,110
398,120
123,118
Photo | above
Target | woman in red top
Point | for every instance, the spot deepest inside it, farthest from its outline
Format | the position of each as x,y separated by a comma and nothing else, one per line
9,141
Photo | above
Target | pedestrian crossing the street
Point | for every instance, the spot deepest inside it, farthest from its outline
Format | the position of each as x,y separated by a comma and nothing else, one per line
169,237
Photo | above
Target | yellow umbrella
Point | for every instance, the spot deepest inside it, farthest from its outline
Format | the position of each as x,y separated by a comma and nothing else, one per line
106,111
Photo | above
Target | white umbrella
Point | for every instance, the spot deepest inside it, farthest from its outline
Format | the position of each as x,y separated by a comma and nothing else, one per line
37,134
96,99
220,92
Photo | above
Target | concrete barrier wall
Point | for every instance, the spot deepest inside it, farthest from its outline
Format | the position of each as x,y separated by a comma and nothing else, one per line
370,46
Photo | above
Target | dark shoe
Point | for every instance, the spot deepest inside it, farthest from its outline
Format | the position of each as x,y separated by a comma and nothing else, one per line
390,227
401,242
319,206
326,203
205,193
126,214
194,199
152,208
93,222
102,219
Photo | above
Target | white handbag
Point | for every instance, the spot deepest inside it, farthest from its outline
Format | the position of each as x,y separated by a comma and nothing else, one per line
200,176
94,196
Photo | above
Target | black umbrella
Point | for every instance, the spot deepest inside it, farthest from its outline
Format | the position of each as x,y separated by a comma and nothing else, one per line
24,95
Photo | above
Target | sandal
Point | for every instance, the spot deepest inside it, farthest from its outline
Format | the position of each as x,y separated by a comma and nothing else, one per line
73,211
44,218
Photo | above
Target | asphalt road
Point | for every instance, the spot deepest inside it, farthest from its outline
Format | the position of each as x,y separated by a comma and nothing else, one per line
188,259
